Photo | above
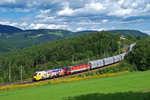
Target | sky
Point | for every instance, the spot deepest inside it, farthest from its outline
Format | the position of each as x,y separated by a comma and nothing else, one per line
76,15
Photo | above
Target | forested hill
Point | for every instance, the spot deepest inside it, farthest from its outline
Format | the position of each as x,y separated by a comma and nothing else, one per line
86,31
59,54
9,29
141,55
12,38
129,32
22,39
122,31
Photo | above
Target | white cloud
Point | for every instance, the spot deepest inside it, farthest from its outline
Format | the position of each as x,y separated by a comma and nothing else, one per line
95,6
134,5
105,21
13,24
89,23
76,15
4,22
52,26
102,29
36,26
8,23
79,29
23,24
148,32
128,8
89,8
121,13
93,22
123,8
67,11
47,19
46,26
43,13
22,10
32,3
7,1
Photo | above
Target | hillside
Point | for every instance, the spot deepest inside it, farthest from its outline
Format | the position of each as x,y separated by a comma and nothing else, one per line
86,31
9,29
122,31
23,39
15,38
59,53
129,32
6,47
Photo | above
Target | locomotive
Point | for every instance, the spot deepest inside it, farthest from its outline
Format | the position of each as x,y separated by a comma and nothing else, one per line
39,75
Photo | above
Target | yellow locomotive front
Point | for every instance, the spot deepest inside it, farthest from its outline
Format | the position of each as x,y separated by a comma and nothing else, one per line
37,76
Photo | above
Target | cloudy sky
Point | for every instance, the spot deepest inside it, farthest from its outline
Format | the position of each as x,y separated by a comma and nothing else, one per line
76,15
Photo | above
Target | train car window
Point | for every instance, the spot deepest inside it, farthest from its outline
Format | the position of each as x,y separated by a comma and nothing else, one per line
35,74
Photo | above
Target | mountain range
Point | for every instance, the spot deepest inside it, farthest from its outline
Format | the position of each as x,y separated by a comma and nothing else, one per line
9,29
12,38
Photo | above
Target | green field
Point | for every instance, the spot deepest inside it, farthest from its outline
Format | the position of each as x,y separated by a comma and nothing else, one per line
35,36
57,34
131,86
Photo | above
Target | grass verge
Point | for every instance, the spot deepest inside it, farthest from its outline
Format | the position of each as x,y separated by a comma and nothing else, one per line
131,86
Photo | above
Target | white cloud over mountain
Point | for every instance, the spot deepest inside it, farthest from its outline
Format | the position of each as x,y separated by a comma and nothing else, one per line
78,15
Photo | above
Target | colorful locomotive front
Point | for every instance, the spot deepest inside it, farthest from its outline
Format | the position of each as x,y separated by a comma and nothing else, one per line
39,75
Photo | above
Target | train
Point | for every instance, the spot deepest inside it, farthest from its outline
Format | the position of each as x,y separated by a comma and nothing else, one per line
53,73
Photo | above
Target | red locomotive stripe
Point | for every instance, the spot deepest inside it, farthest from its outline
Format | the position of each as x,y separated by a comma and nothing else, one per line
79,67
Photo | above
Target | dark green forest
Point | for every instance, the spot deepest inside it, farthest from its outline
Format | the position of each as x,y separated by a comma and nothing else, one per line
60,54
128,32
140,56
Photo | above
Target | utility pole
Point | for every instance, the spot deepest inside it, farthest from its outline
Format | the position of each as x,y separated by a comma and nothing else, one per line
9,72
124,44
20,74
72,59
119,47
104,54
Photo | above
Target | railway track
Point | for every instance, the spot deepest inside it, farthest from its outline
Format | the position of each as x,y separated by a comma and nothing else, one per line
91,70
31,82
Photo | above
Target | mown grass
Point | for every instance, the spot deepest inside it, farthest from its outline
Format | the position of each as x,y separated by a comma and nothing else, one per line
131,86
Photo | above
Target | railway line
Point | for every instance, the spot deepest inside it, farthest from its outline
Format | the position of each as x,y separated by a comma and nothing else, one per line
94,66
30,81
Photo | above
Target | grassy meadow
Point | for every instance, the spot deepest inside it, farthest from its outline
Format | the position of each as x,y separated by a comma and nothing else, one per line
131,86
